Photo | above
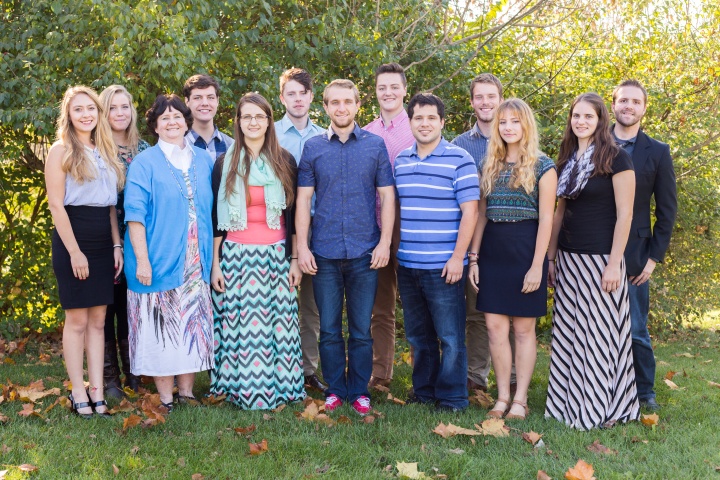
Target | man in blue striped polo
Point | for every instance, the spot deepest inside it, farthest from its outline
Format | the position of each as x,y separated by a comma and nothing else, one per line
437,186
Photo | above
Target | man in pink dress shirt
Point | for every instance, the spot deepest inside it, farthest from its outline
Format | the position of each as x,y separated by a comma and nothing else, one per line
393,126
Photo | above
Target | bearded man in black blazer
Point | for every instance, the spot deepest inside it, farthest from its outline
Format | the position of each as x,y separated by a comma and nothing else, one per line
647,244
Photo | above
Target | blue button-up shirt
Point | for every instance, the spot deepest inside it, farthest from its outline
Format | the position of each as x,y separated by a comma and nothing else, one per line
475,143
290,137
345,177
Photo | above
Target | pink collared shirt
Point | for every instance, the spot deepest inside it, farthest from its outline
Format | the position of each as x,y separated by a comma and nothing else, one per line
397,136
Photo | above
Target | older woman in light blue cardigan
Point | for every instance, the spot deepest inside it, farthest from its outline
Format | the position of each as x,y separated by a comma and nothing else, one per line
168,209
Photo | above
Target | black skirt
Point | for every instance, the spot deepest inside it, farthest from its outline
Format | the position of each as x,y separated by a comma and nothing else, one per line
91,227
506,254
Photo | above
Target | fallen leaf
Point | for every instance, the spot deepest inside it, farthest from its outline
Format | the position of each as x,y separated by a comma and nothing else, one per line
123,406
344,419
409,470
541,475
597,447
531,437
5,449
457,451
29,446
494,427
28,411
197,476
707,361
52,405
3,418
450,430
672,385
116,470
311,411
482,399
323,418
267,417
368,419
131,421
686,355
258,448
324,469
213,400
663,363
581,471
669,375
181,462
245,430
638,440
650,420
280,408
381,388
135,450
44,358
26,467
395,400
472,440
713,384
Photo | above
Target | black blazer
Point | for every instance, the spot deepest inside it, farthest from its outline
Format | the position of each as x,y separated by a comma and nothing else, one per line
654,175
288,213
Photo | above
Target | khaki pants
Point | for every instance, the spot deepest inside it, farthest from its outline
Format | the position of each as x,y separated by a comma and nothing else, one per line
309,326
476,340
382,326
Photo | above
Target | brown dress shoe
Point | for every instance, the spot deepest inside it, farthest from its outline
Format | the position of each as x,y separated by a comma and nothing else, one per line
377,381
313,382
472,386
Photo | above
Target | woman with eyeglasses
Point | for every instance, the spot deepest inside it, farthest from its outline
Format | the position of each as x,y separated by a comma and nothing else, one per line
255,271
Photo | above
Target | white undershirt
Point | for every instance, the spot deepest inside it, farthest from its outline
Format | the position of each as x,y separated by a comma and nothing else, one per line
180,158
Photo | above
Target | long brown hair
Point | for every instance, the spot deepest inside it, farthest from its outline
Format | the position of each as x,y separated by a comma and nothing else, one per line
276,157
523,175
605,148
75,161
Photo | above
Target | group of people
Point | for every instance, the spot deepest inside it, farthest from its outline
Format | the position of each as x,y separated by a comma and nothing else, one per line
241,251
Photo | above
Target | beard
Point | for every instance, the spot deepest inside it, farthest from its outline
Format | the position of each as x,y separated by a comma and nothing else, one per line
343,123
625,123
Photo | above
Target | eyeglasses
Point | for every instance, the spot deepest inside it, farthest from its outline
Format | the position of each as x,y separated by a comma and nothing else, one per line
259,118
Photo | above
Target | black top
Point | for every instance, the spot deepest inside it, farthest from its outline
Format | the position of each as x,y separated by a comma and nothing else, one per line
589,221
288,213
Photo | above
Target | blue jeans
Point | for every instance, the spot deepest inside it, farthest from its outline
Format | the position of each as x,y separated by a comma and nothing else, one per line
643,357
354,281
434,323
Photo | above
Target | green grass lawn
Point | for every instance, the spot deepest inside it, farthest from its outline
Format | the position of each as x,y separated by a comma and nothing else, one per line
201,440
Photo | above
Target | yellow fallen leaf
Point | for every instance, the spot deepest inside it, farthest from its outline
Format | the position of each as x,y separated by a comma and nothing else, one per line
450,430
541,475
494,427
482,399
686,355
531,437
650,420
671,384
581,471
26,467
409,470
597,447
713,384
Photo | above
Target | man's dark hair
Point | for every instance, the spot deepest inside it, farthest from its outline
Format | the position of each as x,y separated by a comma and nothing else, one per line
486,78
202,82
162,103
630,83
391,68
423,99
299,75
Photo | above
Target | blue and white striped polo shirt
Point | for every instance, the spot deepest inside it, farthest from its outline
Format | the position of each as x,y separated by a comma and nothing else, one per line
430,191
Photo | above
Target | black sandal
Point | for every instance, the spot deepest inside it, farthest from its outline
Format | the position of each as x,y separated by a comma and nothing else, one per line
188,400
169,406
99,403
74,408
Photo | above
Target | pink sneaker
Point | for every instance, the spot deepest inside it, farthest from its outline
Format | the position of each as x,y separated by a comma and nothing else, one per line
332,402
362,406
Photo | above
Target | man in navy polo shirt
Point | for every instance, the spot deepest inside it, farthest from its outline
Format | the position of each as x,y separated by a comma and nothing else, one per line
438,189
344,167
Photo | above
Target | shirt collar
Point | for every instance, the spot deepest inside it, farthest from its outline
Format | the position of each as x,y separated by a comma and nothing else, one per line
171,150
396,121
286,124
476,132
438,151
357,132
623,142
215,135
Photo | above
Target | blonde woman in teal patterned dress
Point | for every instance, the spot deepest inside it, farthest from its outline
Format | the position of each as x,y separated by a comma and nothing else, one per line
517,184
258,361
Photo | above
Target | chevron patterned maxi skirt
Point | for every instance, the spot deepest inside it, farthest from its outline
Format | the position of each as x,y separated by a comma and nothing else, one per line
592,380
258,360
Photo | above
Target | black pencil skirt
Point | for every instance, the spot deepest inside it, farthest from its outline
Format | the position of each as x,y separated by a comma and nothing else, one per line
91,227
506,254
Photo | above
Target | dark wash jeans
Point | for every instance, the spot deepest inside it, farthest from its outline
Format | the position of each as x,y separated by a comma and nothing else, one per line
643,357
354,281
434,323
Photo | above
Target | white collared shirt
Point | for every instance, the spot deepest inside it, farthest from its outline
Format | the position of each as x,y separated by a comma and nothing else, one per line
180,158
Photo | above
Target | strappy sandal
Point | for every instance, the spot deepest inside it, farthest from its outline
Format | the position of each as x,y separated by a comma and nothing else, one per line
168,405
188,400
496,412
74,408
512,416
99,403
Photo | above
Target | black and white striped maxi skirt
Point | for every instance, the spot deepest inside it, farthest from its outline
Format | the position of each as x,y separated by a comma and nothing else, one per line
592,380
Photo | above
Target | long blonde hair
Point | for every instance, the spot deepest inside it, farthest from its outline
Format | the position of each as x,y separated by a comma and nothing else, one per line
75,161
523,175
131,132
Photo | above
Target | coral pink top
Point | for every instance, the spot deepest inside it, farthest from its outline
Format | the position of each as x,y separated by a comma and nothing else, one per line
257,231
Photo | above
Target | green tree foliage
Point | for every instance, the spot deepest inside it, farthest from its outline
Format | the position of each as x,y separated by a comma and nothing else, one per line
545,51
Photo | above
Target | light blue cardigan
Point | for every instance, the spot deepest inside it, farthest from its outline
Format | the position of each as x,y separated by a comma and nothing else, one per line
152,197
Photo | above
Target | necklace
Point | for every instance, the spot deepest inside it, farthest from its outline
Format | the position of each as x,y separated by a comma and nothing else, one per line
186,195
